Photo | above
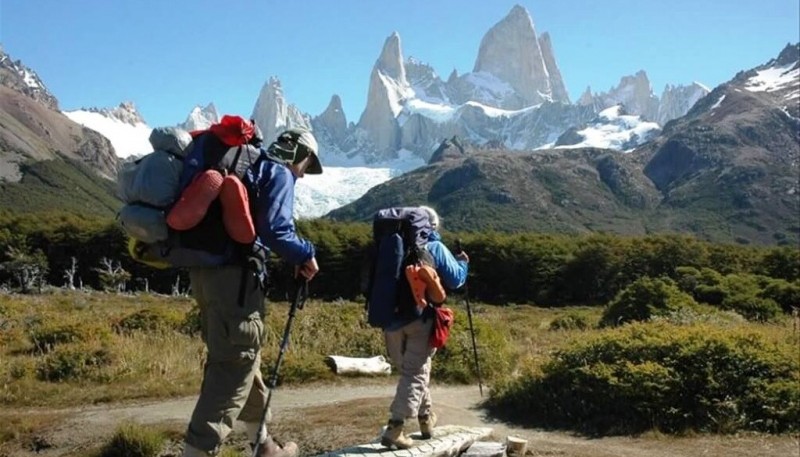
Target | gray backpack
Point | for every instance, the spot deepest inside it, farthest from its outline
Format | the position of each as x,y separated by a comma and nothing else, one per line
150,185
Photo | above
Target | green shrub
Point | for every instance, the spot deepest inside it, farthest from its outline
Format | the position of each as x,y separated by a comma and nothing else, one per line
133,440
46,336
570,321
659,376
643,299
456,361
752,307
151,320
72,363
784,293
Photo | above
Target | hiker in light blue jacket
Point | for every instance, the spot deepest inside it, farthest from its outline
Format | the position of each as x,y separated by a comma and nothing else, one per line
410,352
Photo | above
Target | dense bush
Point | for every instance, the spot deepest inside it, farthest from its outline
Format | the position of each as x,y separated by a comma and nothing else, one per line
660,376
134,440
752,307
643,299
72,363
756,297
151,320
456,361
48,335
784,293
570,321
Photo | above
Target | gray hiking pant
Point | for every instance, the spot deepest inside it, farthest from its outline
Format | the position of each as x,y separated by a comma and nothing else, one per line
411,354
232,384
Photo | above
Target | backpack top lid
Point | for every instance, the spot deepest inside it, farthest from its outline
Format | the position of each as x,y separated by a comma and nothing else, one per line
170,139
233,130
412,223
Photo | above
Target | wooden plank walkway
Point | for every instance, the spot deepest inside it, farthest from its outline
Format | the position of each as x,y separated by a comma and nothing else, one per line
447,441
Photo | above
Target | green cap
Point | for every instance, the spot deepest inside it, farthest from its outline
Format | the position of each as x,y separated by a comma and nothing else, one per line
294,145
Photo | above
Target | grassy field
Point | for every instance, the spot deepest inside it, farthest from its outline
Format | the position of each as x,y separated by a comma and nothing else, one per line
73,348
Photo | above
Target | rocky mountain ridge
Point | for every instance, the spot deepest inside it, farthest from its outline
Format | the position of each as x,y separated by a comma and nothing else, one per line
515,96
32,128
727,171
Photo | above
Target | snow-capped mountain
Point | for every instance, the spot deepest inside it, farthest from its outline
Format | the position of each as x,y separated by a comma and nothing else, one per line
518,103
16,76
780,78
612,129
123,126
515,97
201,118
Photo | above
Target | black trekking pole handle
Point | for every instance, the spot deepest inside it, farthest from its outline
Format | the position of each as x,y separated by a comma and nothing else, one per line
471,328
298,303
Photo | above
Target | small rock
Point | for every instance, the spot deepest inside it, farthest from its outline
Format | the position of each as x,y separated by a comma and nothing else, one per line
485,449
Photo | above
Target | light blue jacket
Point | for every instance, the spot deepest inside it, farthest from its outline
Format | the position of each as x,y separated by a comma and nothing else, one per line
452,272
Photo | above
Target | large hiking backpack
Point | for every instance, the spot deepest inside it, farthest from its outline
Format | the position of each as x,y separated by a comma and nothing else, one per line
149,185
400,236
224,149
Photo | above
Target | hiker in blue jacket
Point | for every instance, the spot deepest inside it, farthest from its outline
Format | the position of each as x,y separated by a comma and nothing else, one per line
410,352
233,388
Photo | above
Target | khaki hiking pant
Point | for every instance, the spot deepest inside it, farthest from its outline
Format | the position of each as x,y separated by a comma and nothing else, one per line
411,354
232,384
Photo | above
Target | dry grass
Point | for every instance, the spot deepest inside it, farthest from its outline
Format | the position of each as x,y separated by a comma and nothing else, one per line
23,430
135,364
163,364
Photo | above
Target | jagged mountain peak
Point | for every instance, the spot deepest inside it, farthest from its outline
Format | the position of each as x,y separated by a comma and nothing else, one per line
272,113
511,52
518,13
201,118
125,112
331,124
335,104
16,76
790,54
390,62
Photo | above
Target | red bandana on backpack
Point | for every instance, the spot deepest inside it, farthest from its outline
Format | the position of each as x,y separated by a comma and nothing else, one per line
442,322
232,130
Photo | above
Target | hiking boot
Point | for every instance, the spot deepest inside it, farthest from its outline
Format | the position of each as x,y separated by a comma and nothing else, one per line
426,424
394,436
191,451
270,448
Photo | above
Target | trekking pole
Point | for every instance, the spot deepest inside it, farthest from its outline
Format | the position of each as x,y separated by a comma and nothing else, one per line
471,328
298,303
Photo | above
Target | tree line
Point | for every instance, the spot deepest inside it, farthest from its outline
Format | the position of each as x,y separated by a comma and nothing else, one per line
544,269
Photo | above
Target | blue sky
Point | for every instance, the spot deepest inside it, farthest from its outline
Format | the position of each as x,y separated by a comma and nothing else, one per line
169,55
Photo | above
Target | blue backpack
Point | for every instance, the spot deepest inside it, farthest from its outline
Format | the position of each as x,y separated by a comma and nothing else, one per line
399,236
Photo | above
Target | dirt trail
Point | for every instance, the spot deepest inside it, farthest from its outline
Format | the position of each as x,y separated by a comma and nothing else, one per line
454,404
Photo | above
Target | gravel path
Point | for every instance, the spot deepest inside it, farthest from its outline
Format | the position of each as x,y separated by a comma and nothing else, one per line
458,405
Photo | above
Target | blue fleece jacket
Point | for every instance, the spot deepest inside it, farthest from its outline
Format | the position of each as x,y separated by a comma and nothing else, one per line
452,272
274,212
